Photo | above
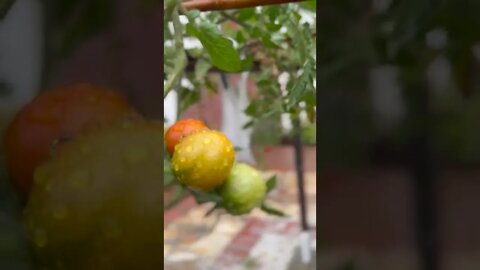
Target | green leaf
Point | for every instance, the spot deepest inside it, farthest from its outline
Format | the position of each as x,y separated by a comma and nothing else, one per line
237,149
271,183
251,109
273,27
202,197
310,5
219,48
249,124
272,211
246,14
272,12
192,14
240,37
303,84
247,63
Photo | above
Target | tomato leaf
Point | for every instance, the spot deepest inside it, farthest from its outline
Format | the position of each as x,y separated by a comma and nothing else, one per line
246,14
272,211
219,48
202,197
302,85
271,183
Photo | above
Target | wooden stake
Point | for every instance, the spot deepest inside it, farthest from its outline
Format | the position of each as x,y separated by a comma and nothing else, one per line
208,5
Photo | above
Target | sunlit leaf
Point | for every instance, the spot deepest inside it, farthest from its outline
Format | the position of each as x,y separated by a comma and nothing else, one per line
220,49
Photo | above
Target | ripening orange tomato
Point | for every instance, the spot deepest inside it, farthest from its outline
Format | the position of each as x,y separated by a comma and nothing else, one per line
181,129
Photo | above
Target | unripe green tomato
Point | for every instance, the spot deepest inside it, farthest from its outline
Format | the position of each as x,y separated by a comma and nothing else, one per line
243,190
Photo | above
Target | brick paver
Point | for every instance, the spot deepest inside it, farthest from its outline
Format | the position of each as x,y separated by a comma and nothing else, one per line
222,241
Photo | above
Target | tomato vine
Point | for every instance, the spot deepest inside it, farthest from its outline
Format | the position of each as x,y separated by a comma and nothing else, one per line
269,41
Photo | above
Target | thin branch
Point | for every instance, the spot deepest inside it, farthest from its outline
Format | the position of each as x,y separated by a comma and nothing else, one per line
208,5
181,61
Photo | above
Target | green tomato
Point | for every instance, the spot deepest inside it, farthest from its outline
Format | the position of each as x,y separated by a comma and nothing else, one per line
243,190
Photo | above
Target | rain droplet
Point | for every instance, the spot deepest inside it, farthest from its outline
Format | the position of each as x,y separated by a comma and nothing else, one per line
228,149
183,160
206,141
189,149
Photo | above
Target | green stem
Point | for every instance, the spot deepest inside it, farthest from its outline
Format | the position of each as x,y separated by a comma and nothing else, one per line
178,29
181,60
180,64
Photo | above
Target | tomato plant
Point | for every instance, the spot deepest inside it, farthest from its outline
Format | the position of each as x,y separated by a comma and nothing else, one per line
270,42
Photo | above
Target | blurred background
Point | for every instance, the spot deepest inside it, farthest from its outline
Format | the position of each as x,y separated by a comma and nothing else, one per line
45,44
117,44
399,148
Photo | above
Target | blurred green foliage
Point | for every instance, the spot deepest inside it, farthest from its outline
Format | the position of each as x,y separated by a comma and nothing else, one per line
358,35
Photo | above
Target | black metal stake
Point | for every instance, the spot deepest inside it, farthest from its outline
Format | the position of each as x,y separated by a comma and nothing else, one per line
297,142
423,172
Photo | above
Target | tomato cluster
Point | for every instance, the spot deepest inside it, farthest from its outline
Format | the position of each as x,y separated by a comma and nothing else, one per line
204,159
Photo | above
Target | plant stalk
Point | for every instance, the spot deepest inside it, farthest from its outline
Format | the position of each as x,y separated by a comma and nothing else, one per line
209,5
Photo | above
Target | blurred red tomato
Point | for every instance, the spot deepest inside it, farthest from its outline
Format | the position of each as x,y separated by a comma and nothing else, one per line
56,114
